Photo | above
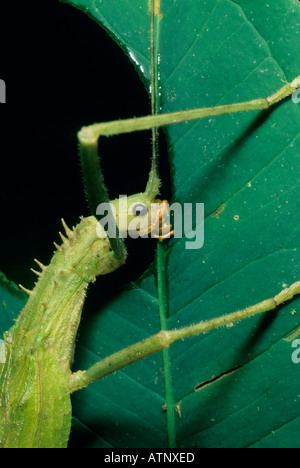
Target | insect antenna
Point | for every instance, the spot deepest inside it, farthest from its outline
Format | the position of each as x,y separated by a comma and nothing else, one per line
154,8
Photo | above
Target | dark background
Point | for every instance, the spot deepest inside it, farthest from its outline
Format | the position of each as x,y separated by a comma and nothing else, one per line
62,71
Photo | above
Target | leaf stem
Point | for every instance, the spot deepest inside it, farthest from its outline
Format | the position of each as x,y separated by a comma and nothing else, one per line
163,312
155,15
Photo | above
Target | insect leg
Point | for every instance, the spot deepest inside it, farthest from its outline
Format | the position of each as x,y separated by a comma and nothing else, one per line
165,338
94,185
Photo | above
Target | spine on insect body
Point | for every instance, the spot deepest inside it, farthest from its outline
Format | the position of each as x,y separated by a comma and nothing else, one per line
35,408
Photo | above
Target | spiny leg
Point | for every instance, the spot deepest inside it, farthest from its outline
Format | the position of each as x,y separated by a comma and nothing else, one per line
165,338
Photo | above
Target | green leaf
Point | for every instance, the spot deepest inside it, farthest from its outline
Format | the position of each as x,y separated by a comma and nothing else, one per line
232,387
12,300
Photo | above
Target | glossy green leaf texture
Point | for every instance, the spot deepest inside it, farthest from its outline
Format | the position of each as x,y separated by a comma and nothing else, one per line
12,301
232,387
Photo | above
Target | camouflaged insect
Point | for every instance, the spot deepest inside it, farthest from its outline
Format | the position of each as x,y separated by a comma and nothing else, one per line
35,407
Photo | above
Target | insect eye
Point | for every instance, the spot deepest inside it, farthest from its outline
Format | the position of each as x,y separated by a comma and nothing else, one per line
139,209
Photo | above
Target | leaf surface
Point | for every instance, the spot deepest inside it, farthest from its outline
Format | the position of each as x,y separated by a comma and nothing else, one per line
12,300
235,387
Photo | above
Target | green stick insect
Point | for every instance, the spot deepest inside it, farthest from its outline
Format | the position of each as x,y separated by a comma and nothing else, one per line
36,380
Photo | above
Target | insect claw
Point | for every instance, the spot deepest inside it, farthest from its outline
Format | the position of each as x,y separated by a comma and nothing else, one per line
25,290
